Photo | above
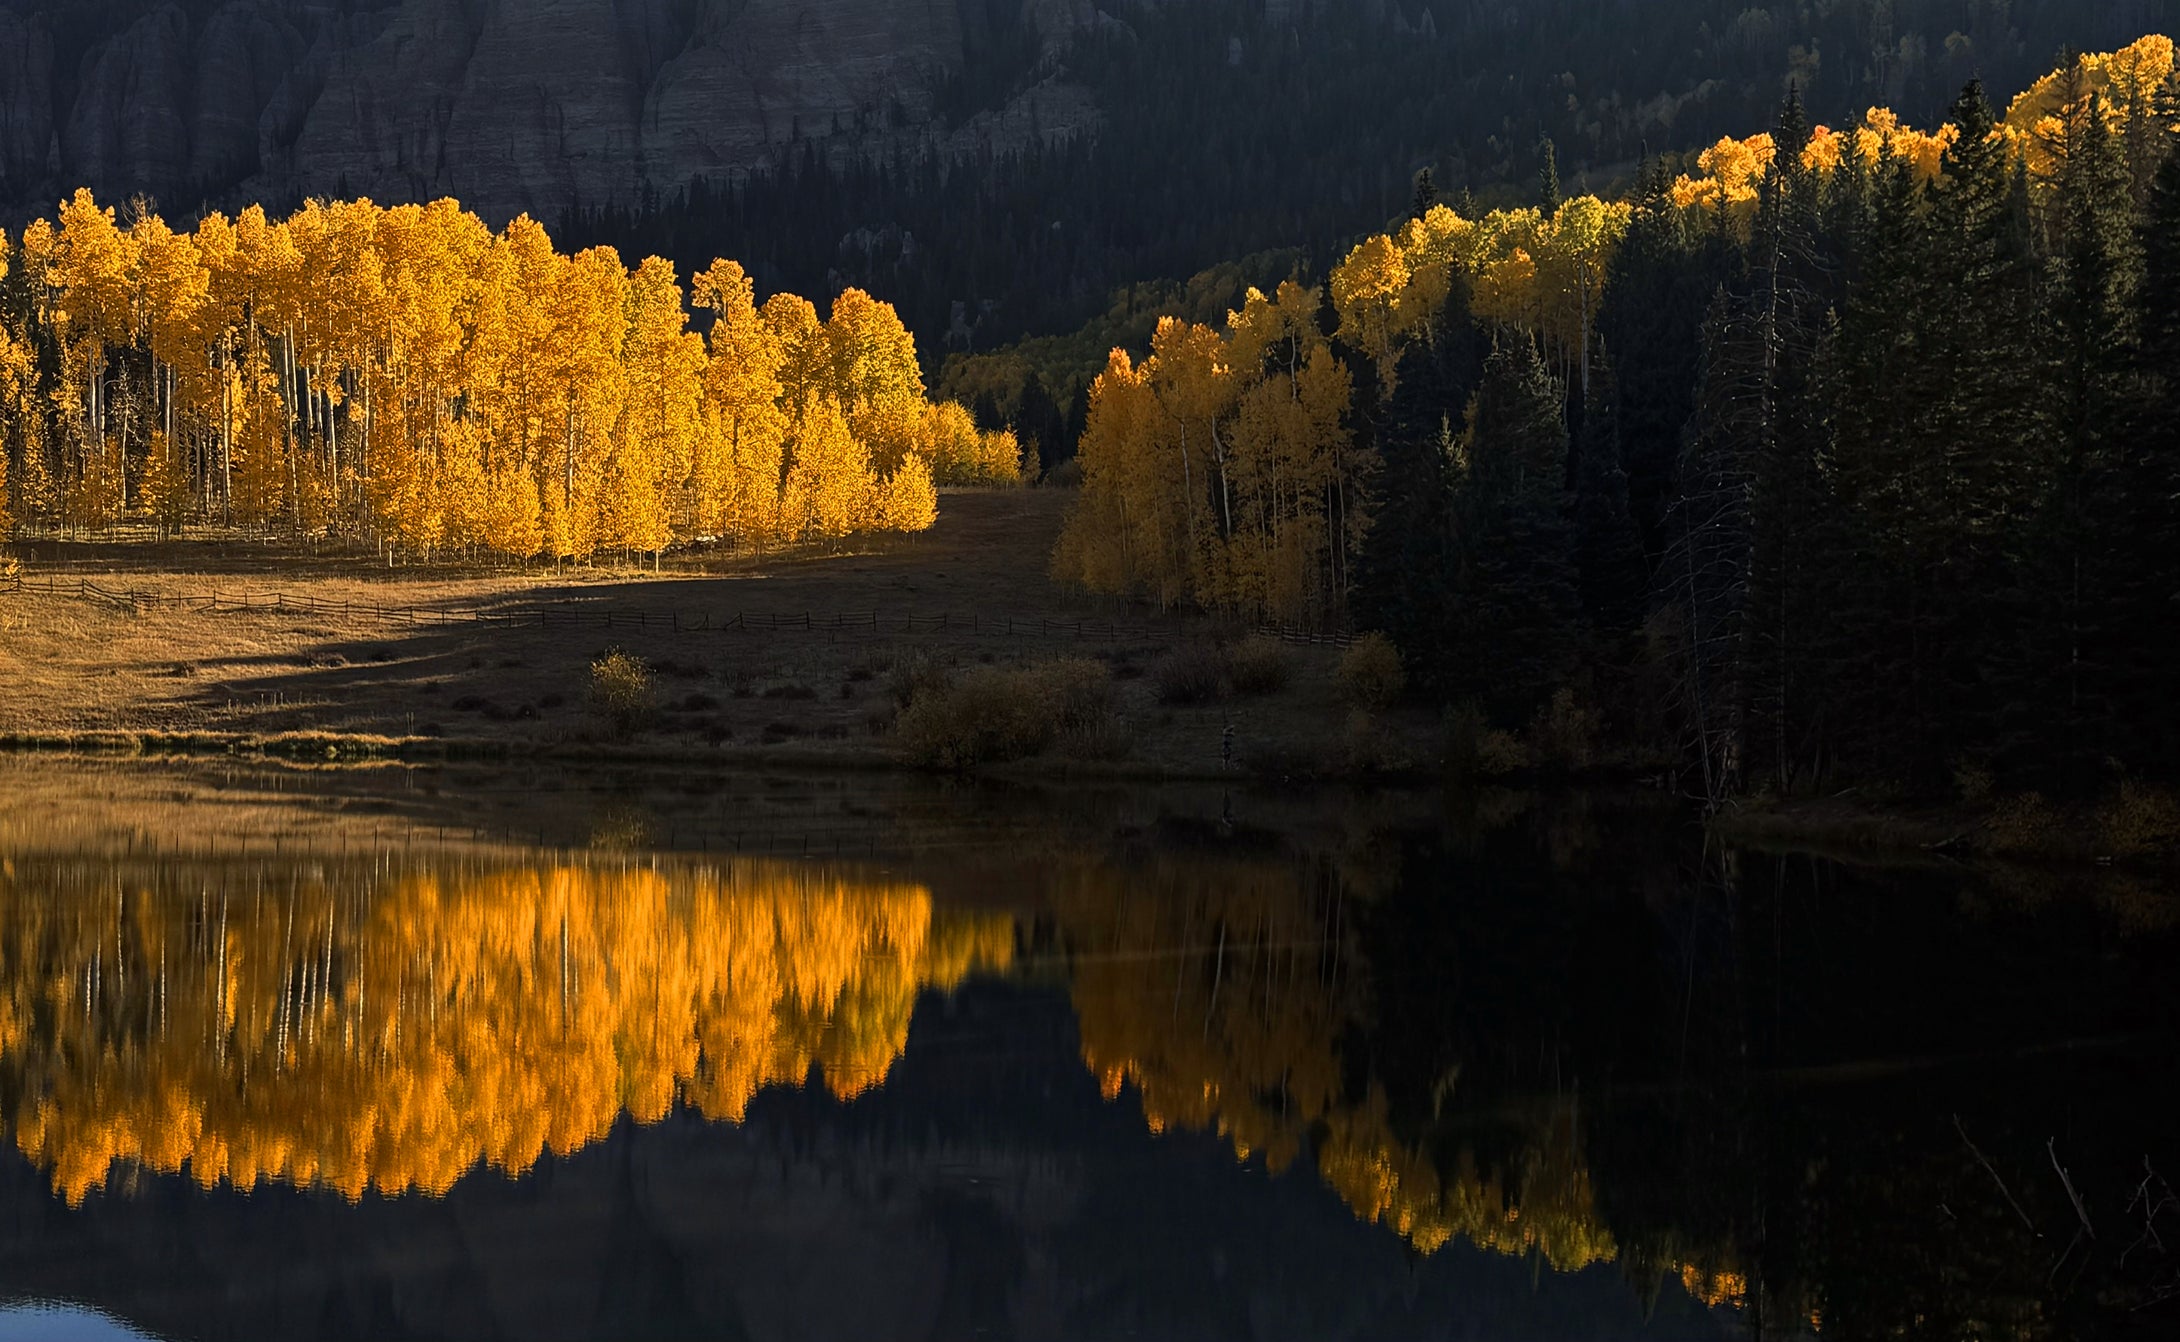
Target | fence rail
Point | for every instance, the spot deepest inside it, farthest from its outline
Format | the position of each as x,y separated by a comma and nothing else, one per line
574,615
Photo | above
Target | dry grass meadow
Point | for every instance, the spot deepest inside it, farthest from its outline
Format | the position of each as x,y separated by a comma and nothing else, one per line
82,669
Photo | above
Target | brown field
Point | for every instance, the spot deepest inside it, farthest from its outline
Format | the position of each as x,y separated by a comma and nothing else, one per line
402,657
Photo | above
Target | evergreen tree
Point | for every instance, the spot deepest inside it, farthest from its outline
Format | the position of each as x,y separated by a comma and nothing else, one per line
1608,552
1788,503
1516,610
1426,193
1404,575
2070,557
1652,319
2146,619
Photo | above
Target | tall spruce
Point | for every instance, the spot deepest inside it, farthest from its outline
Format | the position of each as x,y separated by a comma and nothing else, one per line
2071,557
1405,573
1516,613
2147,618
1608,553
1791,268
1652,319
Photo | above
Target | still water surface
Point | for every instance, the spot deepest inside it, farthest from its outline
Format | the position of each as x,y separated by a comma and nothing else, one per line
446,1053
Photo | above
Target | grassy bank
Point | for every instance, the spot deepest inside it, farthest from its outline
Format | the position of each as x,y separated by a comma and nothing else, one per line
810,659
2134,825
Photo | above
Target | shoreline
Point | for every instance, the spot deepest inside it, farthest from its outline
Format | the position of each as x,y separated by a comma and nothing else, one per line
2134,829
2023,832
334,748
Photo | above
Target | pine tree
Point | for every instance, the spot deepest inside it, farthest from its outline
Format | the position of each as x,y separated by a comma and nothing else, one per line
1608,552
2146,615
2059,701
1516,613
1426,193
1404,575
1652,318
1789,507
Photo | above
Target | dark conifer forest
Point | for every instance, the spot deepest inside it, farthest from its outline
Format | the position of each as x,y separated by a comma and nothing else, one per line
1847,460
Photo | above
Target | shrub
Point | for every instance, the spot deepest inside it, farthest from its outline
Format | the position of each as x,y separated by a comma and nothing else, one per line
1466,727
913,674
620,691
1565,732
992,714
1501,753
1196,674
1370,673
2140,822
1259,665
2025,823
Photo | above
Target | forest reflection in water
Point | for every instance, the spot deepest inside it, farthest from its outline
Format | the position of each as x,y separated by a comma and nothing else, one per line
1551,1030
390,1025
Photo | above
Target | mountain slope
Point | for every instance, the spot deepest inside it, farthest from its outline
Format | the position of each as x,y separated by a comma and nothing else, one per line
511,105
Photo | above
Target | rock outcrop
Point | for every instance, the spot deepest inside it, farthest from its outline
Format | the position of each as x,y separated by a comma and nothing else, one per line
512,105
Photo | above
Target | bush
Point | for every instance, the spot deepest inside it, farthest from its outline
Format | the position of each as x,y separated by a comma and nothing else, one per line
1197,674
620,691
1565,732
992,714
1370,673
913,674
2140,822
1259,665
1476,749
1499,754
1466,727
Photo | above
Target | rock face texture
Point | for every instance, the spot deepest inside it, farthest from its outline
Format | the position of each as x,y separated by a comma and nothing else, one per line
511,105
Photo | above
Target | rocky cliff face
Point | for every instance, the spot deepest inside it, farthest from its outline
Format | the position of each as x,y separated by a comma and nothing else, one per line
511,105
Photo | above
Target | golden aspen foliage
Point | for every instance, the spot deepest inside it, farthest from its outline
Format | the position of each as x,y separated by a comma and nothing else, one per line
804,357
653,452
1219,471
955,452
1540,274
15,371
829,488
409,378
907,500
1120,534
1730,172
165,485
2125,83
1882,132
1367,289
871,371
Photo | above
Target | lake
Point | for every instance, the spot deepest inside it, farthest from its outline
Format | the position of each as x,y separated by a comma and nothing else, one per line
447,1052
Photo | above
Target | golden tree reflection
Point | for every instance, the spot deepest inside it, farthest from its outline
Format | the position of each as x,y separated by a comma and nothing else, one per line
1221,992
387,1027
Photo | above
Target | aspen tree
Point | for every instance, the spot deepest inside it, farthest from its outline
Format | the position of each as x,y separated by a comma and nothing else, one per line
829,488
742,449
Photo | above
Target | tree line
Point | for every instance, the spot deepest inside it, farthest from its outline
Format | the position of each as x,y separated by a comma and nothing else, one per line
408,378
1227,127
1850,454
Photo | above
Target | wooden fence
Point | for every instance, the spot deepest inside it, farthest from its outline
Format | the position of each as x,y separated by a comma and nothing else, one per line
576,615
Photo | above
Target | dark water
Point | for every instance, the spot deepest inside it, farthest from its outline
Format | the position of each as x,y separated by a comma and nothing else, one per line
445,1054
